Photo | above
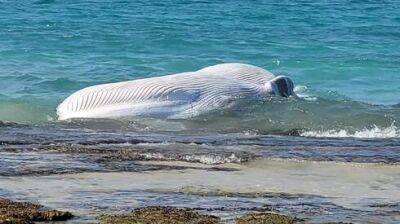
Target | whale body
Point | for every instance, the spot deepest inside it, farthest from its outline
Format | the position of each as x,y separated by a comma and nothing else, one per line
180,95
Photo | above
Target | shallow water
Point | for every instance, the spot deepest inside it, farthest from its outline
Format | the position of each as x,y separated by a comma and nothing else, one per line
97,167
318,192
332,155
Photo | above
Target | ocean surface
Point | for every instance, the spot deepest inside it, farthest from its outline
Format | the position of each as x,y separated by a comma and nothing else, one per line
333,155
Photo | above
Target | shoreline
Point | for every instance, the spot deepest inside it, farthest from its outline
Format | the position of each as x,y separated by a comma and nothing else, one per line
22,212
89,172
225,194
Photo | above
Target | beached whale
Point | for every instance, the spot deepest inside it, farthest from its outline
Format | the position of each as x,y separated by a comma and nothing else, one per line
180,95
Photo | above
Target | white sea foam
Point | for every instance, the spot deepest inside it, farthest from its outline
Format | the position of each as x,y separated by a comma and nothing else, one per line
374,132
204,159
214,159
304,93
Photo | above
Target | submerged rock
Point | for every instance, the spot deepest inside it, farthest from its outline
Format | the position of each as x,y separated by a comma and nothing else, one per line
160,215
265,218
26,213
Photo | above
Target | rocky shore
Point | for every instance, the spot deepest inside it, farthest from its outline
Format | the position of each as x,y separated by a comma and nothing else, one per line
12,212
173,215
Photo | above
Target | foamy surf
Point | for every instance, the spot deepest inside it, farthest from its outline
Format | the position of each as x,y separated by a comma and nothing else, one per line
374,132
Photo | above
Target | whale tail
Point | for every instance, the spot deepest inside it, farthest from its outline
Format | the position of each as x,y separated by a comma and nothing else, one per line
283,86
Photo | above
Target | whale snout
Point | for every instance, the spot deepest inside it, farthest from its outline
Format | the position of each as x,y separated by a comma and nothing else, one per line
283,86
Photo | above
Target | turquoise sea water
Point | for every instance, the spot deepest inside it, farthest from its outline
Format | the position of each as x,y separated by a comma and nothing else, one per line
343,55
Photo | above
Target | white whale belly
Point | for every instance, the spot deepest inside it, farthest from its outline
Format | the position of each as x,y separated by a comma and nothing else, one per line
173,96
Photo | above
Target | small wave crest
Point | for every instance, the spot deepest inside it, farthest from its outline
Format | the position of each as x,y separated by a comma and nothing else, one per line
374,132
304,93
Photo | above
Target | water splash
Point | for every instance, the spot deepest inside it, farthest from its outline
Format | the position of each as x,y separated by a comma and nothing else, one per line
304,93
374,132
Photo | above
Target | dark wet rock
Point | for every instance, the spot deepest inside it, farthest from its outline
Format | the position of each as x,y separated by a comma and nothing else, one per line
45,163
337,223
40,159
235,208
388,208
26,212
386,205
10,124
219,193
265,218
291,132
160,215
184,153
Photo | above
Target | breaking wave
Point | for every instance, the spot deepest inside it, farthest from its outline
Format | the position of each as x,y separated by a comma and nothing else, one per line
374,132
